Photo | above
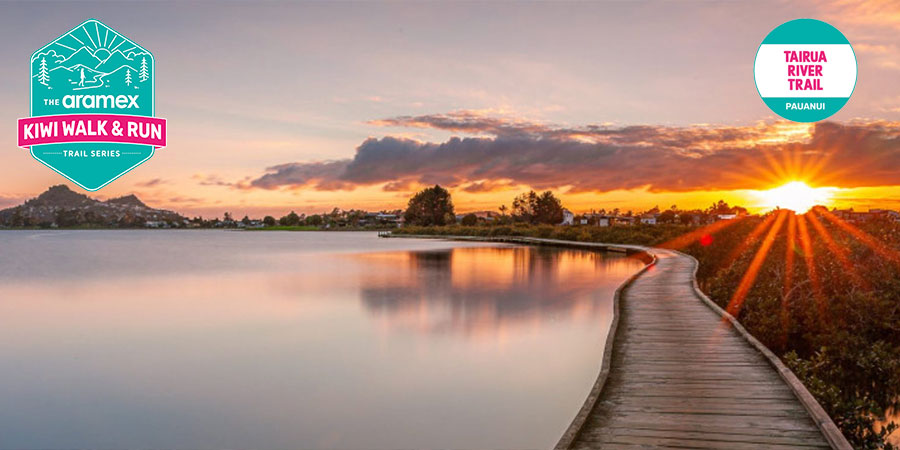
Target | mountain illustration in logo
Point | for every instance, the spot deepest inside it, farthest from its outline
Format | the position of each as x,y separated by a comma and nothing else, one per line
92,57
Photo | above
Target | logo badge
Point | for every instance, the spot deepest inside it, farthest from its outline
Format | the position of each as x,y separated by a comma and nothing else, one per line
805,70
92,106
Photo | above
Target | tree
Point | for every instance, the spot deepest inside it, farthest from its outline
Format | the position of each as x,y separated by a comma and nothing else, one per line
721,207
144,74
43,74
533,208
128,78
290,220
431,206
666,217
246,220
469,220
269,221
503,209
314,220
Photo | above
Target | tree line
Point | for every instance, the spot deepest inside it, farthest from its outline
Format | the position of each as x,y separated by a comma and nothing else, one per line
434,207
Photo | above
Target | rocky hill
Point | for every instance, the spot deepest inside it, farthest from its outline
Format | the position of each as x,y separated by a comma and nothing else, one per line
59,206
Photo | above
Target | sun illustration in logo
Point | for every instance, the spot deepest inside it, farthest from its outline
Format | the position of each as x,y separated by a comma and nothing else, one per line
92,57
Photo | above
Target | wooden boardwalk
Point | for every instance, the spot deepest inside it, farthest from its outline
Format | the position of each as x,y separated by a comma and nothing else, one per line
680,376
679,372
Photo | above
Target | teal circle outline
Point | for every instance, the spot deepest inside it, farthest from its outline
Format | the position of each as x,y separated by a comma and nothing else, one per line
807,22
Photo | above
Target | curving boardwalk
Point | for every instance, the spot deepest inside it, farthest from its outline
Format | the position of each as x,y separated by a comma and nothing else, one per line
679,372
682,377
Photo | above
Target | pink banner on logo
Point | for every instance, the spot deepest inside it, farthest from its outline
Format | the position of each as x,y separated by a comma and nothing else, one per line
68,128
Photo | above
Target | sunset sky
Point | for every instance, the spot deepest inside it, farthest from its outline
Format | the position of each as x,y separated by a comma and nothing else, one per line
307,106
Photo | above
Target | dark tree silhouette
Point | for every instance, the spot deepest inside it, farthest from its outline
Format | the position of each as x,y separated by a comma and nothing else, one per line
431,206
533,208
290,220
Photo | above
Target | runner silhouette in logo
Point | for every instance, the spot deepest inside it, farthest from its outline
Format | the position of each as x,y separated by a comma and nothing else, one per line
81,83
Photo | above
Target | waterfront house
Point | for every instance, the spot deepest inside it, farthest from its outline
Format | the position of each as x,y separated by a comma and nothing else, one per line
649,219
568,218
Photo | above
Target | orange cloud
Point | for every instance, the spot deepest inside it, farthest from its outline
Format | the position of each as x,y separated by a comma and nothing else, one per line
502,152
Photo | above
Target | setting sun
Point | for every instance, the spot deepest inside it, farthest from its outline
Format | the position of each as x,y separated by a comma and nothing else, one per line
796,196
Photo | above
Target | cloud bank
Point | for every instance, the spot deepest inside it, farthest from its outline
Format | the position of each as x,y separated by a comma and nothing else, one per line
503,152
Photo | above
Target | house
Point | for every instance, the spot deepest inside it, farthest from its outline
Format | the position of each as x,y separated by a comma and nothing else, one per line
888,214
381,218
568,218
623,220
849,215
649,219
600,220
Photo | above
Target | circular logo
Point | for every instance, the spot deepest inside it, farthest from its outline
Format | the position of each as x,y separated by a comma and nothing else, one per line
805,70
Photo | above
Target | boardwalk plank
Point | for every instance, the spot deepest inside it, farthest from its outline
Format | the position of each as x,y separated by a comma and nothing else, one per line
681,377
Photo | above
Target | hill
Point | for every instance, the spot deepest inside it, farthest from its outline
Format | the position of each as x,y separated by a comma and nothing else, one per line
59,206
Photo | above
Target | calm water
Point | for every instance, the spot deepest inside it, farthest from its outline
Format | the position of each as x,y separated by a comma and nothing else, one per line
277,340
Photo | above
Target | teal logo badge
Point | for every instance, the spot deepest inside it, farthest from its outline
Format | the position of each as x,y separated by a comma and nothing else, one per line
92,106
805,70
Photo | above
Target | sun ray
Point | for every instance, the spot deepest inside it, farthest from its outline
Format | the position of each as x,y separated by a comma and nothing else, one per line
862,236
64,45
79,40
839,252
764,174
791,163
117,45
740,294
112,41
750,240
790,242
776,167
806,245
93,45
815,166
97,29
694,236
105,37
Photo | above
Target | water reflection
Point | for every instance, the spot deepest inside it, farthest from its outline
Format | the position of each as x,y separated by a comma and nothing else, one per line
483,290
294,340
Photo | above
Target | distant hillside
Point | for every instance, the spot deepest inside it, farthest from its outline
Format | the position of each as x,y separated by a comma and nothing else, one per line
59,206
128,200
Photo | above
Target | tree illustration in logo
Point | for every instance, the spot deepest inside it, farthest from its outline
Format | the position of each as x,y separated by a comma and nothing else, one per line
43,74
95,58
143,75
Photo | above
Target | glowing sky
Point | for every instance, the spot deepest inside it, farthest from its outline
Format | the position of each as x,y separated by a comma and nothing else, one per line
626,105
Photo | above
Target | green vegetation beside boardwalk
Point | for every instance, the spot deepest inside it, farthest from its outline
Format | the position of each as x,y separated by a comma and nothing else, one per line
826,301
637,234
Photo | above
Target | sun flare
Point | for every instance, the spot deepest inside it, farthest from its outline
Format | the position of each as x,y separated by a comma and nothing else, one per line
796,196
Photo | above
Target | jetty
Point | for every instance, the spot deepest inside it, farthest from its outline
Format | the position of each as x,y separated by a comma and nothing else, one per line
680,372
